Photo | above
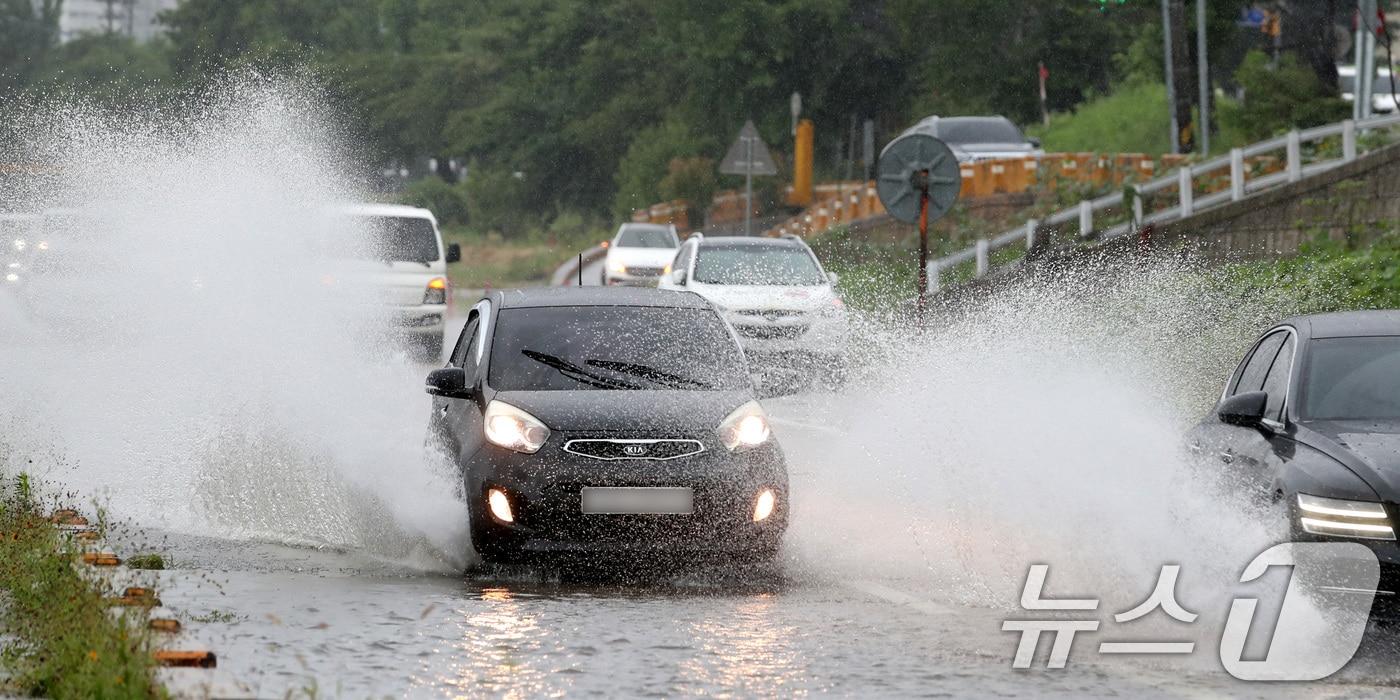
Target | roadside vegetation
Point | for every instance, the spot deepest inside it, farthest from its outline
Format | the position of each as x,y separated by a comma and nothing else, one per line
1329,275
61,637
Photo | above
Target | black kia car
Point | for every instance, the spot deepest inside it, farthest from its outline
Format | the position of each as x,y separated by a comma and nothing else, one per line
1310,423
596,421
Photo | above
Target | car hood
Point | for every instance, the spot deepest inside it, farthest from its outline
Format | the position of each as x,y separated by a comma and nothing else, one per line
648,257
606,411
1371,449
738,297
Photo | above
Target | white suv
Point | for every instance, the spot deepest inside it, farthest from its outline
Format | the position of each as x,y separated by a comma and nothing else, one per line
774,292
638,253
407,263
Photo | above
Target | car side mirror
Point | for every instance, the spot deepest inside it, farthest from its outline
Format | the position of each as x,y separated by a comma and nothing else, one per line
1033,142
454,252
1246,410
449,382
678,277
834,278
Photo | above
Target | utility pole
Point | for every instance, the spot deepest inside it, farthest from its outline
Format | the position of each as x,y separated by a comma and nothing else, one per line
1181,75
1203,68
1364,54
1167,62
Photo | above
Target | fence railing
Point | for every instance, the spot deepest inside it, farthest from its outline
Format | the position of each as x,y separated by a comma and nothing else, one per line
1198,187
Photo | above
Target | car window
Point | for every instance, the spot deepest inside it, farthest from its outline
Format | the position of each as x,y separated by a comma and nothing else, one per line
1252,378
979,131
1276,381
462,355
1352,379
387,238
682,260
614,347
747,264
646,237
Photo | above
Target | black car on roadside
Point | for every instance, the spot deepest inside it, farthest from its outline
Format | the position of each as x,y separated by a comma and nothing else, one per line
1309,424
594,422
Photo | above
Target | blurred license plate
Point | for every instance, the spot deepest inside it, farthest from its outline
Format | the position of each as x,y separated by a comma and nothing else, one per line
638,500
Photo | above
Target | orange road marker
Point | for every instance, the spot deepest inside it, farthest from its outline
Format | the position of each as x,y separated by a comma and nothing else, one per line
101,559
165,625
186,659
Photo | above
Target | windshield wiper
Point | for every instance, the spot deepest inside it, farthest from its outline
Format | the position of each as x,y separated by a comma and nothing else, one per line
674,381
576,373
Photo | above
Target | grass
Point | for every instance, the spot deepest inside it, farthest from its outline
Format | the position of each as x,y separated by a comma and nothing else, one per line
63,640
489,260
1361,272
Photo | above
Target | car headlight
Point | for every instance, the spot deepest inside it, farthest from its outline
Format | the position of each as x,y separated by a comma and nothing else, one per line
619,268
514,429
1339,518
436,293
746,427
11,277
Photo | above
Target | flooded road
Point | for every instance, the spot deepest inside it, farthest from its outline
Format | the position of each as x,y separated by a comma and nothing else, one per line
319,622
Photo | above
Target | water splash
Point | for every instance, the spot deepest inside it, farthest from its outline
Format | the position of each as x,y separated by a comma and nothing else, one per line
194,366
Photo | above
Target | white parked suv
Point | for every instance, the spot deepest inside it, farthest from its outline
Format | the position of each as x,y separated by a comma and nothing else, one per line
407,262
638,253
774,292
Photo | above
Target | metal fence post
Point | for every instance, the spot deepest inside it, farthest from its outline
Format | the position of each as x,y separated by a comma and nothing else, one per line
1183,186
1086,218
1137,209
933,268
1295,156
1031,225
1236,174
1349,140
981,257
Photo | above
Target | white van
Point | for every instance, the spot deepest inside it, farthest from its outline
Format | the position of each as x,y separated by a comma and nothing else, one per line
411,268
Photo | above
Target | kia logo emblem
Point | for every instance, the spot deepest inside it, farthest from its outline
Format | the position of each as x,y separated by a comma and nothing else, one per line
634,450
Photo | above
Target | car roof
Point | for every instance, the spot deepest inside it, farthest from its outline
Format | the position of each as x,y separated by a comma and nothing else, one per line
370,209
754,241
1346,324
598,296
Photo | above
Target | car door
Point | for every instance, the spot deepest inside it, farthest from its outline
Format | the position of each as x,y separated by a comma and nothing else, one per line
460,419
1242,452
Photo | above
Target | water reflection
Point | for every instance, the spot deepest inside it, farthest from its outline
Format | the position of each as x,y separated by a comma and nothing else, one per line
749,651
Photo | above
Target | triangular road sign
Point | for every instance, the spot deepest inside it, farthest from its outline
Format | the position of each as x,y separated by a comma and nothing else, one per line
748,152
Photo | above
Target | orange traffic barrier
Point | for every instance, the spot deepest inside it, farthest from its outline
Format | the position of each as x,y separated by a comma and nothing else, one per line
186,659
86,536
165,625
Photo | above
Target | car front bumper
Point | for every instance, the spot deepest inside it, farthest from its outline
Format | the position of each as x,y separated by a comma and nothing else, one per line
545,494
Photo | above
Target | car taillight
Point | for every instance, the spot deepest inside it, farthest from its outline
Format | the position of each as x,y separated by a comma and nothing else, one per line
437,291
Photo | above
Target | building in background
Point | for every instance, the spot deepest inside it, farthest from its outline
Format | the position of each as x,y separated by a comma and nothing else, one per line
133,18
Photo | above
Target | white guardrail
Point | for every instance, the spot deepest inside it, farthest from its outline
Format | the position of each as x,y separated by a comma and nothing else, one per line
1184,179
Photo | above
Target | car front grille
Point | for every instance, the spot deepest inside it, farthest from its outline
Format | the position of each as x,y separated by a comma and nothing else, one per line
770,314
644,271
770,332
619,449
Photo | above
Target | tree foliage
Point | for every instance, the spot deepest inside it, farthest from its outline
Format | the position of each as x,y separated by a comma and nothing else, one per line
583,105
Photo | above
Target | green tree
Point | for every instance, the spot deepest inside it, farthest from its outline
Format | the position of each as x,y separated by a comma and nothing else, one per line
28,31
1280,98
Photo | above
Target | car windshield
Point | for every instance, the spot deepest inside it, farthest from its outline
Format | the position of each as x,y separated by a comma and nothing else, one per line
387,238
1352,379
979,131
646,237
569,348
756,265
